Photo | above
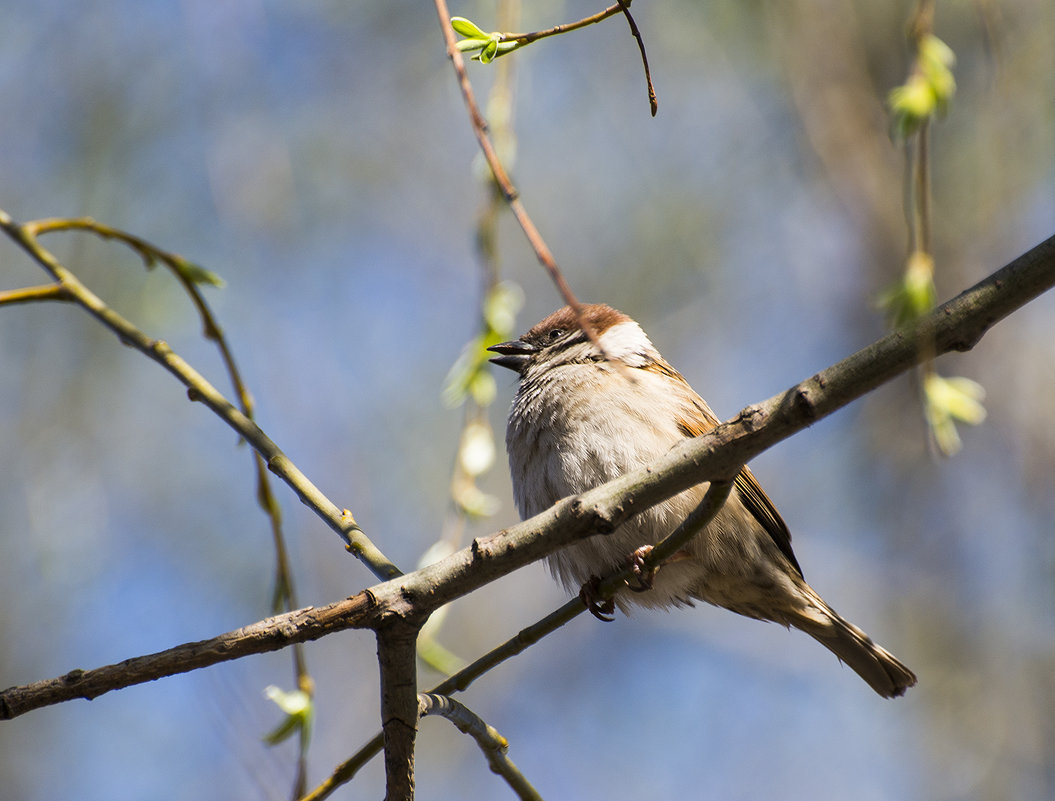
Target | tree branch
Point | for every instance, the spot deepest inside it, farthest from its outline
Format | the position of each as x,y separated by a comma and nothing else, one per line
608,586
199,389
35,294
397,658
653,104
502,180
955,325
567,27
270,634
493,744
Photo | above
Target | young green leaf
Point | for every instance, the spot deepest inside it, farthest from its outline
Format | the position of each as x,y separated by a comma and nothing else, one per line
487,55
299,710
467,28
949,400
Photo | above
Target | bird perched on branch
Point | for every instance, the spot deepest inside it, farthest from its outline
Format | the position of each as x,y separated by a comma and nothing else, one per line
579,419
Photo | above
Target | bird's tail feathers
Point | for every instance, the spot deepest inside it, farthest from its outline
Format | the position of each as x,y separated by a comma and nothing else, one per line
883,671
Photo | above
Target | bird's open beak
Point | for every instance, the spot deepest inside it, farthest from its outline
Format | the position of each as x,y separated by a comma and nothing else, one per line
514,354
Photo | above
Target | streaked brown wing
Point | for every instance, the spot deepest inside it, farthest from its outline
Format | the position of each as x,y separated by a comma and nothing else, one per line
752,496
758,504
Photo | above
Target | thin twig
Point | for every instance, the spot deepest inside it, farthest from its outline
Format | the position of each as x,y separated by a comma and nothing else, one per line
509,191
346,771
463,483
622,7
652,102
199,389
517,644
493,744
918,211
922,186
284,596
35,294
556,30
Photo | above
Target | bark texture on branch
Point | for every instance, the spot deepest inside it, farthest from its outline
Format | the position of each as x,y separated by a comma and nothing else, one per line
270,634
397,658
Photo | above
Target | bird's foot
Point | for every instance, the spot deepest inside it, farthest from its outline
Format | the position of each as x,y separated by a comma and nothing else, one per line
600,608
643,575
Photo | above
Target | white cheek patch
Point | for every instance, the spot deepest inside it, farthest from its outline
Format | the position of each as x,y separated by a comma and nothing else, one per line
626,341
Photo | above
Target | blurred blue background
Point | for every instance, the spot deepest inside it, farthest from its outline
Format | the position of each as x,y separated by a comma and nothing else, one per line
317,155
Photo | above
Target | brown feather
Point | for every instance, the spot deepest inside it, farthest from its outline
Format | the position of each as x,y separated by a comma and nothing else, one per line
699,420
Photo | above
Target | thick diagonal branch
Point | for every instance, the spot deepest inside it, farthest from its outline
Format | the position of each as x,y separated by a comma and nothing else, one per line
719,454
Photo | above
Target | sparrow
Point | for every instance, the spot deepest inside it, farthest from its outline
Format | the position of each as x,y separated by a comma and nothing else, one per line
584,415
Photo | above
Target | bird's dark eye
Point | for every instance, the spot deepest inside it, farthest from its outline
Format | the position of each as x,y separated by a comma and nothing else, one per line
555,334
